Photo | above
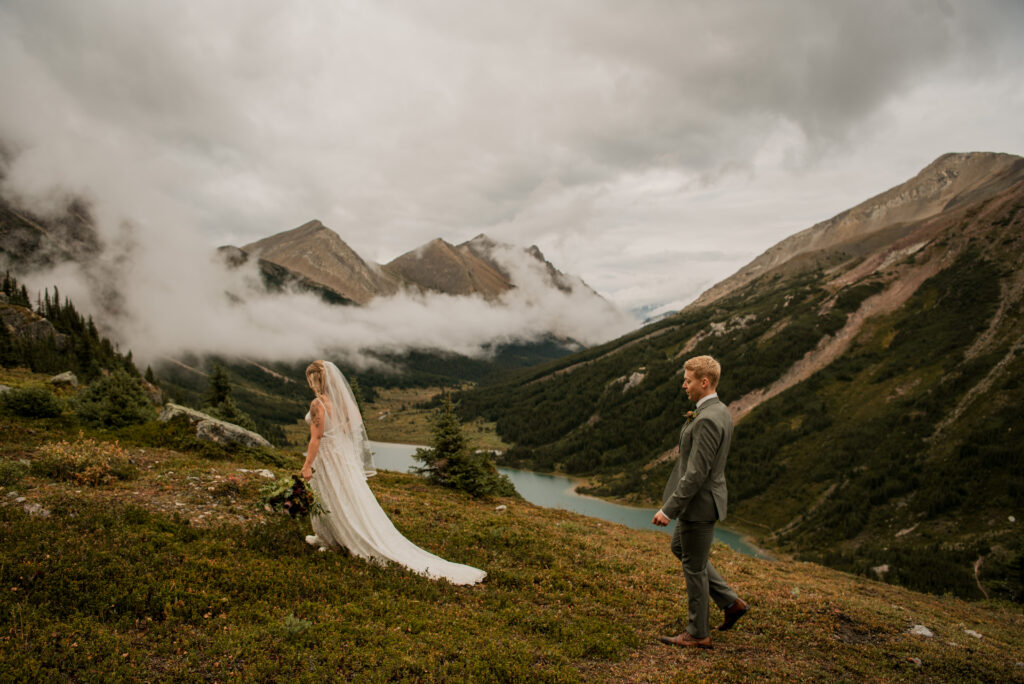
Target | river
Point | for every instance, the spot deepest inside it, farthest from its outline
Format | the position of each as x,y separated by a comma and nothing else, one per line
558,491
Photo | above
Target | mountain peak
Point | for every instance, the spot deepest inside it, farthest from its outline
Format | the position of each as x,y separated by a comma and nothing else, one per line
442,267
317,252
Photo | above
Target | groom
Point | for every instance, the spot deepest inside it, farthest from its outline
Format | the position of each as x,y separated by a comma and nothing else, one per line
696,496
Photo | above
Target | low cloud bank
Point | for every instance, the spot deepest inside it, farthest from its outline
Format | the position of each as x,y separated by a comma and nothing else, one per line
161,291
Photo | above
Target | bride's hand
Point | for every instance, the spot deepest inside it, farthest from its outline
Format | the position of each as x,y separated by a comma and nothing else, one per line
307,473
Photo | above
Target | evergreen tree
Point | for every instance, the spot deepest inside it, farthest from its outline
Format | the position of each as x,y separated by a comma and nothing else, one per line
8,352
150,378
451,463
219,389
357,394
219,403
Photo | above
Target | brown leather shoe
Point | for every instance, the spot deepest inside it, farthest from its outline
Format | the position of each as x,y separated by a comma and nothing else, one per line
687,640
733,612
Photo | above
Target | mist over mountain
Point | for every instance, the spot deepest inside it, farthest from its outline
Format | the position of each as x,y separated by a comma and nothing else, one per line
874,364
478,267
158,289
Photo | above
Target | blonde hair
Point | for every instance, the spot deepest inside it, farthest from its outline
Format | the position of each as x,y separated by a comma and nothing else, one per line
316,376
704,367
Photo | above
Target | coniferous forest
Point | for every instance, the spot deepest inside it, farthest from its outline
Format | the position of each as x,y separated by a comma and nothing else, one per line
70,342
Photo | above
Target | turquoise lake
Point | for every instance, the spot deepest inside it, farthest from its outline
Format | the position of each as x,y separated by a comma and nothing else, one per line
556,491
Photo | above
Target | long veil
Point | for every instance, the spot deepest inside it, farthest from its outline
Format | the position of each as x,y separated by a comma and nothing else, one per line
347,419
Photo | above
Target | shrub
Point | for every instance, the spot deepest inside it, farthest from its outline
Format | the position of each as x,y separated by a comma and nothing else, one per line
32,402
229,412
11,473
115,401
85,461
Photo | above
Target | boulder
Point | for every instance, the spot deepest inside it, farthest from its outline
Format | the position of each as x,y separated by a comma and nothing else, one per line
65,379
172,411
212,429
4,389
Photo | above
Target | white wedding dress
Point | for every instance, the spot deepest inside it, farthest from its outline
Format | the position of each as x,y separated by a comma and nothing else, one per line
354,519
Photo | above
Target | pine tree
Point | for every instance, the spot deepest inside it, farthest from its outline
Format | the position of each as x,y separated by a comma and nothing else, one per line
357,394
219,389
451,463
219,403
8,353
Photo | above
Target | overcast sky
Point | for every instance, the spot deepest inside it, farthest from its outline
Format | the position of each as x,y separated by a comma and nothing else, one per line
650,147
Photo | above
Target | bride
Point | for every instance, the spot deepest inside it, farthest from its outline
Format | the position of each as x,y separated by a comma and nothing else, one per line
338,448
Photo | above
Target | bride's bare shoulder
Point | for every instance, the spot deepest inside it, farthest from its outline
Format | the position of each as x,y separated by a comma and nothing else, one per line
319,405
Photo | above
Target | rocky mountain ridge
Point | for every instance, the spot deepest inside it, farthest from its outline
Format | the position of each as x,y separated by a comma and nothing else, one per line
874,367
950,180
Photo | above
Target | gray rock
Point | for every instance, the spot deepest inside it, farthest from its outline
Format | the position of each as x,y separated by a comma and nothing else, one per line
4,389
172,411
211,429
921,630
36,509
502,507
227,433
67,378
262,472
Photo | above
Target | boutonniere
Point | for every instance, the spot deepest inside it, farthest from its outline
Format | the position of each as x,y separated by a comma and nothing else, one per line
690,415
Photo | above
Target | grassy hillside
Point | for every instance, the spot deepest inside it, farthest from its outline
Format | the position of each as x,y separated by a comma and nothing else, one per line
166,568
877,391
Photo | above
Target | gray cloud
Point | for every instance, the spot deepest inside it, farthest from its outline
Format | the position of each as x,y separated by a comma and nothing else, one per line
605,133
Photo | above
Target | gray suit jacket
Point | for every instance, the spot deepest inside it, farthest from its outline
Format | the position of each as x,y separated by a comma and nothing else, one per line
696,490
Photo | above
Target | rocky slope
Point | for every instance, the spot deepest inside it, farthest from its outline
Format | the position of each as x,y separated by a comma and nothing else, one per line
30,241
949,181
873,364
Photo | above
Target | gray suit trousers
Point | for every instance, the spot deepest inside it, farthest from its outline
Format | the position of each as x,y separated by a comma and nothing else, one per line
691,543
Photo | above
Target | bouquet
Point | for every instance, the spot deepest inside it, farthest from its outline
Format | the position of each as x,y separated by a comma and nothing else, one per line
293,497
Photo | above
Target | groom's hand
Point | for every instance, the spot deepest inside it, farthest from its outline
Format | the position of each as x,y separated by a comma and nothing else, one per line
660,519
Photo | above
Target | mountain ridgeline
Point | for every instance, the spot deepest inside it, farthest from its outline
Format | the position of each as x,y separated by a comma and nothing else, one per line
314,257
874,367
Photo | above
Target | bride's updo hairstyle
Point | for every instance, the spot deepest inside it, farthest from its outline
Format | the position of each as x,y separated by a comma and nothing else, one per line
316,376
